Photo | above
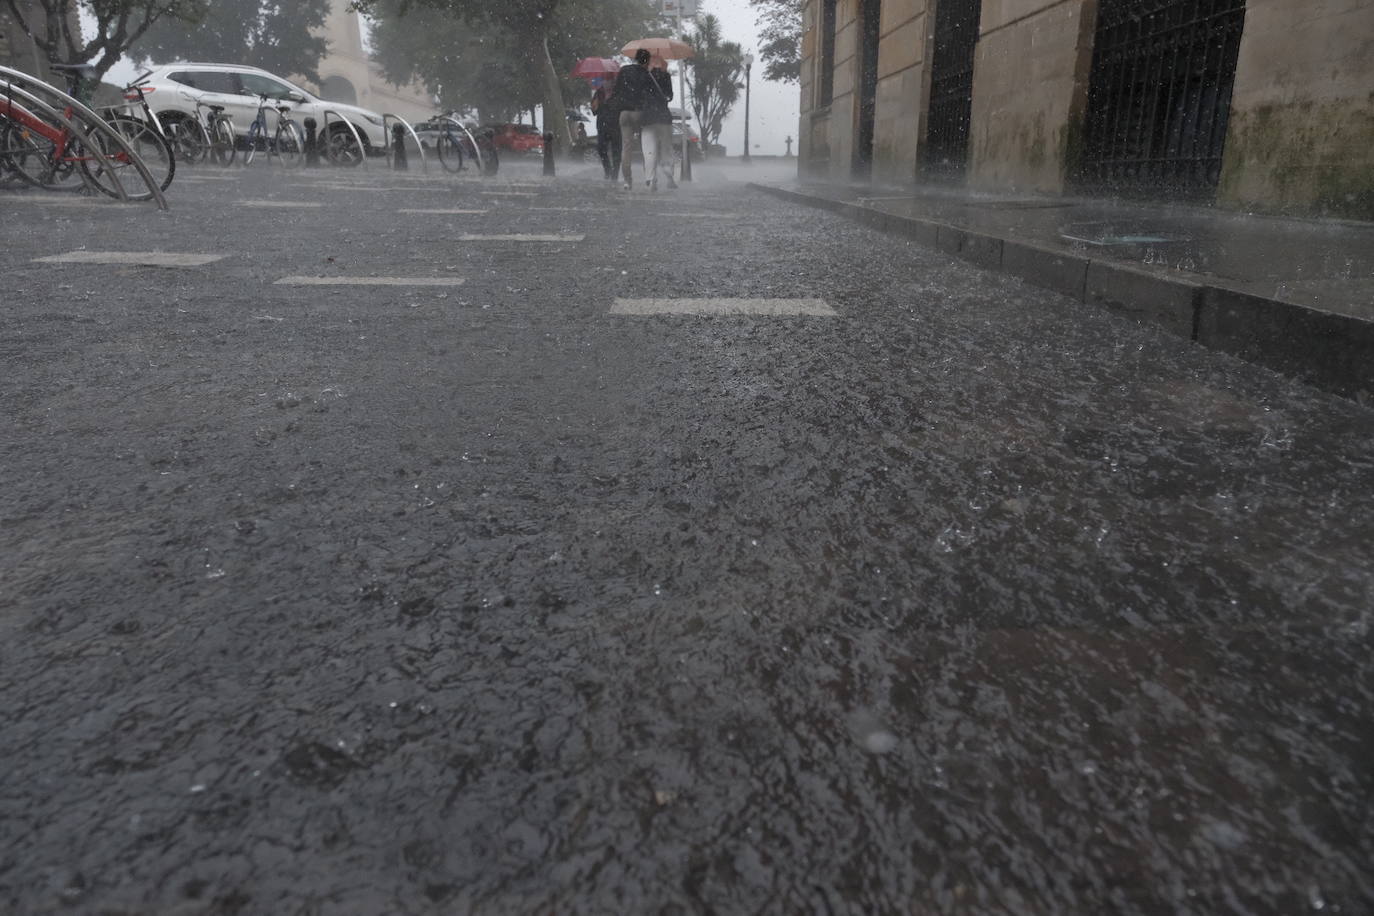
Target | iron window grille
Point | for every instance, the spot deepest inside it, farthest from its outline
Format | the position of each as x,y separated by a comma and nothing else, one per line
1159,97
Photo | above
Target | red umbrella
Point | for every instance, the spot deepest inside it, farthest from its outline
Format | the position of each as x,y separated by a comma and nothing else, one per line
589,68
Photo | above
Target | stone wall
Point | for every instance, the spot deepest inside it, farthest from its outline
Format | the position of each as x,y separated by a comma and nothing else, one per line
903,88
1030,92
844,106
809,153
1301,134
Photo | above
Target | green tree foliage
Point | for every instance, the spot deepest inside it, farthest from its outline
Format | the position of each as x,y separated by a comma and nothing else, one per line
780,40
54,26
273,35
714,76
506,56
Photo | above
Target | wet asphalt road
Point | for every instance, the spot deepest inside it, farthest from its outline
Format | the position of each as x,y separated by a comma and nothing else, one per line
966,600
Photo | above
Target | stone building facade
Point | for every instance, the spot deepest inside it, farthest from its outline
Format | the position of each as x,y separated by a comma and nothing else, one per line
348,75
1264,104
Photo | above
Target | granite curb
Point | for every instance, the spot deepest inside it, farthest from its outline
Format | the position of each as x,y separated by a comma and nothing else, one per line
1332,352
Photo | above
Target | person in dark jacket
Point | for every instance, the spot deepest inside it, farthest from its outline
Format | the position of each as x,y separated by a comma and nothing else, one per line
642,96
607,131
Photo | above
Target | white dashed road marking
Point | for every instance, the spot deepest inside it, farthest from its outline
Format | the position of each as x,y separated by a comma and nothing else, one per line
521,238
138,258
769,307
370,281
509,193
417,189
53,201
281,204
447,212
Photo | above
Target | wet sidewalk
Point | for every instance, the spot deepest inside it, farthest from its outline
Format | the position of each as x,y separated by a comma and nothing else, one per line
1296,295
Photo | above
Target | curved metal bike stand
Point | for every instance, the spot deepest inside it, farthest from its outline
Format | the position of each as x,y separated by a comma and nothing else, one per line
362,147
386,131
46,109
88,116
481,167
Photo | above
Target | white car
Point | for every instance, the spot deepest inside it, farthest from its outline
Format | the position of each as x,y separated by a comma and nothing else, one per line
173,90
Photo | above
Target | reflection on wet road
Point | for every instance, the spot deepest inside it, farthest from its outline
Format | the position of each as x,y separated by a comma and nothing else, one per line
488,596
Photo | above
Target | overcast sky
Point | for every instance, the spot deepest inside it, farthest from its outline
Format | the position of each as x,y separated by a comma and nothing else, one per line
775,107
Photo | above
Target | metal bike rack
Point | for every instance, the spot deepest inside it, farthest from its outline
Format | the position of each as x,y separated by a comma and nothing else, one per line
43,107
362,147
386,131
481,167
10,76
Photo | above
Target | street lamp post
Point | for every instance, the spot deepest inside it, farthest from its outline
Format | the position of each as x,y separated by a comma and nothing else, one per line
748,68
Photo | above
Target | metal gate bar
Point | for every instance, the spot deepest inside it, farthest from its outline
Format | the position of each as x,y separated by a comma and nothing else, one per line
1159,98
951,87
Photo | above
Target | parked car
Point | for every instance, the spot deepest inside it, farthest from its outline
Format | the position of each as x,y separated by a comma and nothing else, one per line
517,138
173,90
693,140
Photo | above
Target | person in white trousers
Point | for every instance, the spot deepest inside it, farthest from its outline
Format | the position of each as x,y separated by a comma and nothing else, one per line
643,96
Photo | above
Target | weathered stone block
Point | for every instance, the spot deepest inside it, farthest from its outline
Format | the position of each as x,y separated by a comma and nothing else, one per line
1056,270
1152,298
1332,352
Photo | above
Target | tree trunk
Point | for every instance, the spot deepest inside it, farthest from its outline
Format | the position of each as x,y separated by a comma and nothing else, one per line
555,115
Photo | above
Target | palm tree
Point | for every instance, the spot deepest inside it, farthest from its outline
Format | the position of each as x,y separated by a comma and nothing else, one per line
713,76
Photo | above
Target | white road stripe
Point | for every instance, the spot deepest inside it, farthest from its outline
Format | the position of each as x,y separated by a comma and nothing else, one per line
508,193
281,204
139,258
370,281
447,212
767,307
521,238
418,189
50,200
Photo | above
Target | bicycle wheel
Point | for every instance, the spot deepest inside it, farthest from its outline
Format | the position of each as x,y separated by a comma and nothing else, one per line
190,143
450,152
32,158
255,139
8,174
290,143
222,151
146,143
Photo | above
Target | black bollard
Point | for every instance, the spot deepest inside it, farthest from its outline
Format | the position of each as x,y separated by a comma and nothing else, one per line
398,143
312,150
548,155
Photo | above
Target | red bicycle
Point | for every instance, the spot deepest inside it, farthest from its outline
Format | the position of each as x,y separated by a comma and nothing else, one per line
49,155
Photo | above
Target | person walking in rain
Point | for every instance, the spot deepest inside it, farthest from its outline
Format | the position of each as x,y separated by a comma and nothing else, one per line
642,97
607,131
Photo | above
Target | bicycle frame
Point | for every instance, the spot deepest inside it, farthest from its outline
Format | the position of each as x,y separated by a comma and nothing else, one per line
21,115
128,107
59,138
12,79
260,119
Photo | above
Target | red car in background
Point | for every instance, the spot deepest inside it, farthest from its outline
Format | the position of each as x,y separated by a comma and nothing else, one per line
517,138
